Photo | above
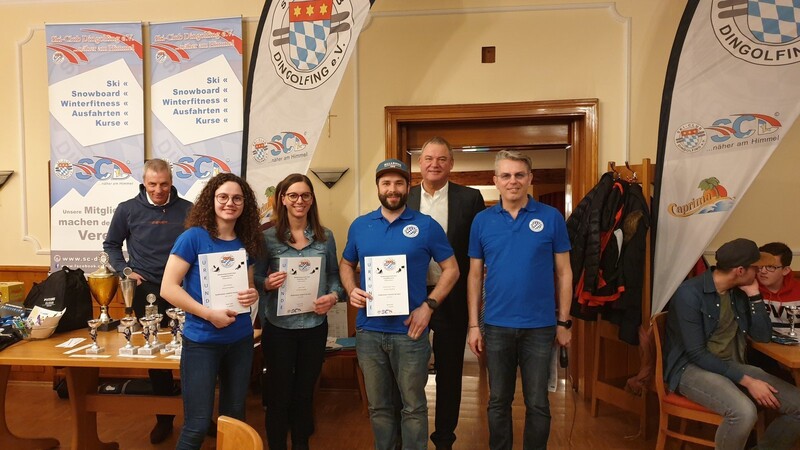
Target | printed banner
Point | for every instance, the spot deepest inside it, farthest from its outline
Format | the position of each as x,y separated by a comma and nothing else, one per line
300,55
196,99
731,95
96,133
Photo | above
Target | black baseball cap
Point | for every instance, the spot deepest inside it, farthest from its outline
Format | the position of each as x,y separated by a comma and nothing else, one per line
393,165
741,252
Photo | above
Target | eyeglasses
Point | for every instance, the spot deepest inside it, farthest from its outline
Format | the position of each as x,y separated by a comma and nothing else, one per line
769,268
294,196
519,176
222,199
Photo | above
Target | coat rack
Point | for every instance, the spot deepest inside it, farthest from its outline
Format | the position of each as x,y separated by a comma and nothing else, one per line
607,380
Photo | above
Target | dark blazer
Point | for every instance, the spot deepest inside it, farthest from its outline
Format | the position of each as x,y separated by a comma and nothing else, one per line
463,203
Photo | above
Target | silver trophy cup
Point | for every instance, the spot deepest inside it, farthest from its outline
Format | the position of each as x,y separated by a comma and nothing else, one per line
147,327
93,325
127,323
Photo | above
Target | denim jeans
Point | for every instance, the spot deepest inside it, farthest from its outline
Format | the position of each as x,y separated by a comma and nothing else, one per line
386,359
293,358
200,366
530,349
738,410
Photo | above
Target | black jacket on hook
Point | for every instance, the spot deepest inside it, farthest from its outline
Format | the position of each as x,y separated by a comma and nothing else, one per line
608,231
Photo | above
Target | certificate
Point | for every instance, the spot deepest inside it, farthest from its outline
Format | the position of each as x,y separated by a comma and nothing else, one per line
301,287
387,282
224,275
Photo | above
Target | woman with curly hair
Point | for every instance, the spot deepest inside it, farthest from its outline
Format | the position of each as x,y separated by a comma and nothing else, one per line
297,341
217,342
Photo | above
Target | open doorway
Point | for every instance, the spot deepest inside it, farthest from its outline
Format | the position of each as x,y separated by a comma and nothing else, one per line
561,127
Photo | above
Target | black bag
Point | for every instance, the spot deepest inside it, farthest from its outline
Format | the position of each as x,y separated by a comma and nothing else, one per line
68,289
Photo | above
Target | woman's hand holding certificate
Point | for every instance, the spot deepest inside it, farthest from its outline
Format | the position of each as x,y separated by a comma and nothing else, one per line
221,318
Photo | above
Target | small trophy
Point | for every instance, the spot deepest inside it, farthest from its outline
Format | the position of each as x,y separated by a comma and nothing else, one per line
95,349
151,309
103,284
792,312
172,313
147,323
181,319
154,329
127,323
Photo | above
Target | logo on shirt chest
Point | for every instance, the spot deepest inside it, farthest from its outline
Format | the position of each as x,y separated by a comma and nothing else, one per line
536,225
411,231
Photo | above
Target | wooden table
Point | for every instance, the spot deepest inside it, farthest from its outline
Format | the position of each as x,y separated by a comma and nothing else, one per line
788,355
82,380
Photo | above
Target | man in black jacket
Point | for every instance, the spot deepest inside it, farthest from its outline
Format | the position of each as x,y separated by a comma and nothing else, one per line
453,206
149,224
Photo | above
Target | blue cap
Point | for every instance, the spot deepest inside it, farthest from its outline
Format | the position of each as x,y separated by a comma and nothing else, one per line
392,165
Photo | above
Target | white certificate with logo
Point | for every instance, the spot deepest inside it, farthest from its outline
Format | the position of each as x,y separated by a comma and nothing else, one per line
387,282
301,287
223,275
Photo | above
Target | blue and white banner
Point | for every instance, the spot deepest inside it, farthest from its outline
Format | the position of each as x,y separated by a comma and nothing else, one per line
731,94
196,99
96,133
300,54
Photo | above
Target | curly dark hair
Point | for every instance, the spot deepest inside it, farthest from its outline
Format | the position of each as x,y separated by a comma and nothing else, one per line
280,216
246,228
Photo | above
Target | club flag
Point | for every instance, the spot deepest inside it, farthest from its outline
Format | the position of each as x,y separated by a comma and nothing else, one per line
96,133
196,99
731,94
300,54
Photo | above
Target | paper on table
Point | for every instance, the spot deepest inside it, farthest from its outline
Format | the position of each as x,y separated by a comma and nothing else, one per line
337,320
72,342
224,275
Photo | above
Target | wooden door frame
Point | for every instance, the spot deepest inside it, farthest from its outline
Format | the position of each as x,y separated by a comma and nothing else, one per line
580,115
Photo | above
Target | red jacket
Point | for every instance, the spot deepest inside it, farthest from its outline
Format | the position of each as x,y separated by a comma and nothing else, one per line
787,295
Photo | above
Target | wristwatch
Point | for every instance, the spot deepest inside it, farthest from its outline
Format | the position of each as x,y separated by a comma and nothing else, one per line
432,303
567,324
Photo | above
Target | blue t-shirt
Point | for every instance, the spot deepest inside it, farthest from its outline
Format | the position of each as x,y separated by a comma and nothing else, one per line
193,242
519,258
413,234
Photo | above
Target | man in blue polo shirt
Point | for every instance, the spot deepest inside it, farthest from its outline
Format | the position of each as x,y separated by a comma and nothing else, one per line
522,243
395,348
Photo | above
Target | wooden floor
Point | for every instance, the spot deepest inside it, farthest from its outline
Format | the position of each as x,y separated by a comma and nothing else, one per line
34,410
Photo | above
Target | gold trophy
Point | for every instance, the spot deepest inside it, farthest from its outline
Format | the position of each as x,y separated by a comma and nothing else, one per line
103,284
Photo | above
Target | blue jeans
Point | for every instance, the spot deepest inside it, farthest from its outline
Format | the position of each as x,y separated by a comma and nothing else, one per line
530,349
386,359
739,411
200,365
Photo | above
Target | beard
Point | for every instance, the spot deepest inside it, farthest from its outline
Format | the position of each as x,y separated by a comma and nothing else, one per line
400,204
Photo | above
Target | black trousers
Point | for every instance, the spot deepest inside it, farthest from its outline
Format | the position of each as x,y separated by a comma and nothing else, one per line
449,340
293,359
161,380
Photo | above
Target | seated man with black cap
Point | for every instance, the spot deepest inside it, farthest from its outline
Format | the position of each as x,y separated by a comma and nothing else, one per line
709,318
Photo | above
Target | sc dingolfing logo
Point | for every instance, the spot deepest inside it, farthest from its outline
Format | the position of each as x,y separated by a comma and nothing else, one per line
310,40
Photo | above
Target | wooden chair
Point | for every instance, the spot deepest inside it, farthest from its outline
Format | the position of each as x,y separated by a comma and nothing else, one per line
233,434
676,405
